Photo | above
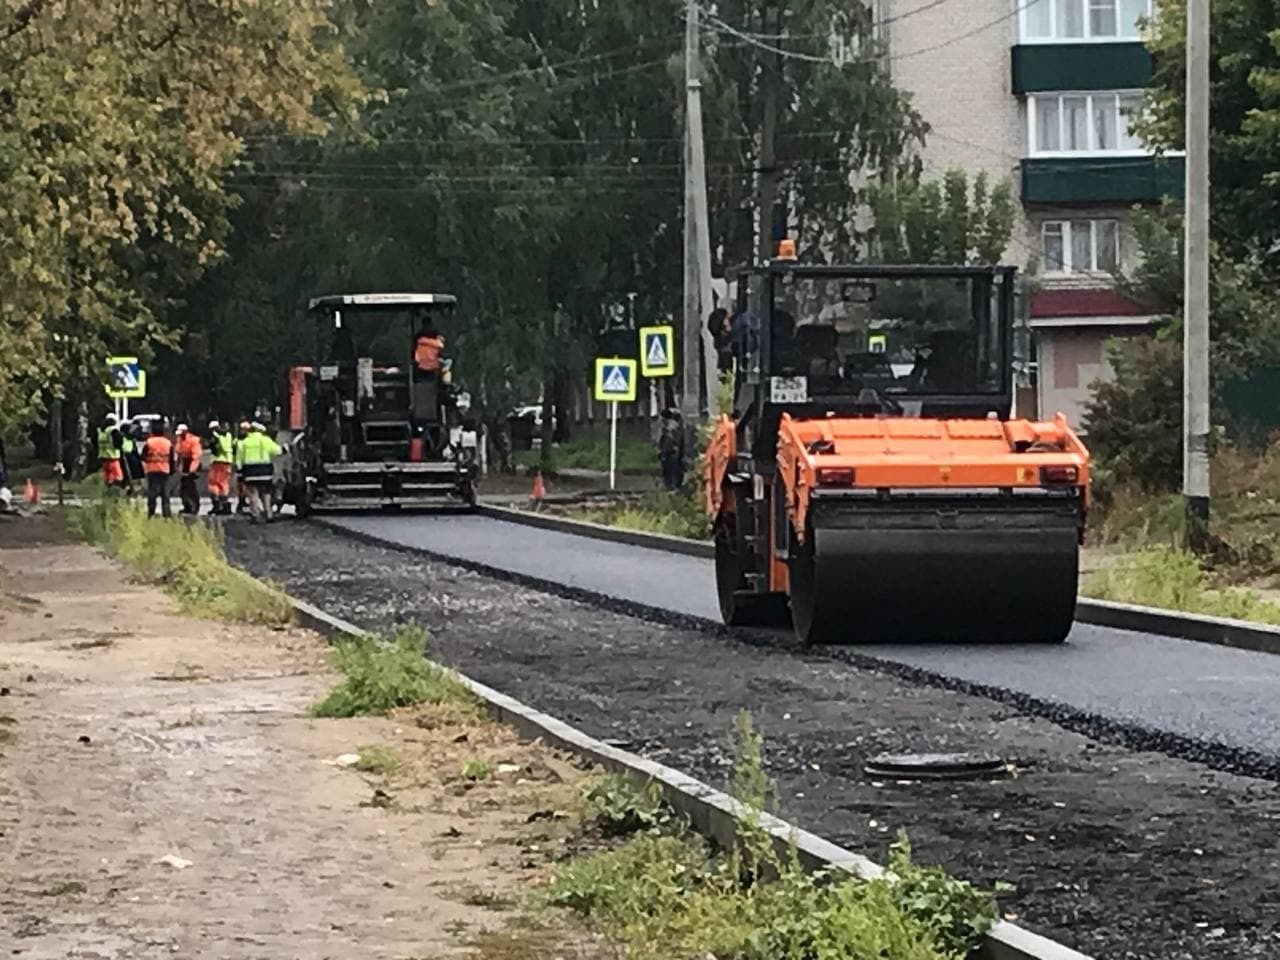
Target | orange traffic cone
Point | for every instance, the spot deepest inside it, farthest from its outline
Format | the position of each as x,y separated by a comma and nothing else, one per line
539,488
31,492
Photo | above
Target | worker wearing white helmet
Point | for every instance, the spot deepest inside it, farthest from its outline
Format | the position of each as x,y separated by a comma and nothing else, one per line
222,450
189,455
111,452
255,461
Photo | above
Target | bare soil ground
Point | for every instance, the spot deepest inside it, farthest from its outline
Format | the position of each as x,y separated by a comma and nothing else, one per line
129,735
1121,854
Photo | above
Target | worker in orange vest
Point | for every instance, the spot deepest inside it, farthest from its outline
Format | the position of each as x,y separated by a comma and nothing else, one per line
428,347
188,455
157,464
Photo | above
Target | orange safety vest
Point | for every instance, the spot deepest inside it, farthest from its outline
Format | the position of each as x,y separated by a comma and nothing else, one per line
189,453
156,453
426,353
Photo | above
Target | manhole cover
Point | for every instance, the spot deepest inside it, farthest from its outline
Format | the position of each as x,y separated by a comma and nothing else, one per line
934,766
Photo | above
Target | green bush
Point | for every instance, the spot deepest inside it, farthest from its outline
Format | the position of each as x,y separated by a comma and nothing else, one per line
187,558
590,453
385,673
1174,580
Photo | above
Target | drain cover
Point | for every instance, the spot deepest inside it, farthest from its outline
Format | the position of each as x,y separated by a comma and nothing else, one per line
934,766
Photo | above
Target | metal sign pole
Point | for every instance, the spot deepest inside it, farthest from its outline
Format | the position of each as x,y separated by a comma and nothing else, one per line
613,444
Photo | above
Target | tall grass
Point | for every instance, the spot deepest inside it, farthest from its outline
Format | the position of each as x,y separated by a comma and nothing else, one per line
1174,580
187,558
384,673
665,893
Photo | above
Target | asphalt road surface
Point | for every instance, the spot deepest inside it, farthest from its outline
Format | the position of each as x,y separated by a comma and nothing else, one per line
1190,690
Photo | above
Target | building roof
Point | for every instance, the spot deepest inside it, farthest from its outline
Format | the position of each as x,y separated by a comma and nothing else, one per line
1072,303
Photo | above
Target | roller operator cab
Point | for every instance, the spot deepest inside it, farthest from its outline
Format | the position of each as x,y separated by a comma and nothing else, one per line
376,420
872,483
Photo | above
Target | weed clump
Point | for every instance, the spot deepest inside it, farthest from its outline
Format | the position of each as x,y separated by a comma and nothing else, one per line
665,892
620,808
377,758
187,558
477,769
382,674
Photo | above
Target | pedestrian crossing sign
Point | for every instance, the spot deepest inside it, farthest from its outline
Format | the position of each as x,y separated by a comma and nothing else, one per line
615,380
126,380
657,353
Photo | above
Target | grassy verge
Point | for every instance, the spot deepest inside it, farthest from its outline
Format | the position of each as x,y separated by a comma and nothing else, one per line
384,673
1175,580
674,514
664,892
187,558
634,456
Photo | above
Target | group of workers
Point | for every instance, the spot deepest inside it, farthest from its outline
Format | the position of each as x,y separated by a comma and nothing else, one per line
247,459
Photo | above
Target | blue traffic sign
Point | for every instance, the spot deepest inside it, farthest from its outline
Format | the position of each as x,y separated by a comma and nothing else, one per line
615,380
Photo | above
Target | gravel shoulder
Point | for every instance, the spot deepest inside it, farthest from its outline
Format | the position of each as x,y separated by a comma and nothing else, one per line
1117,853
129,735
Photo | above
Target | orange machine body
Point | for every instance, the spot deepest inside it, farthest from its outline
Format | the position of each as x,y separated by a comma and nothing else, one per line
840,454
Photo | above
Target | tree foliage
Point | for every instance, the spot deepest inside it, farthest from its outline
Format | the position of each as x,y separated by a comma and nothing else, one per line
118,122
947,221
528,157
1134,422
1244,114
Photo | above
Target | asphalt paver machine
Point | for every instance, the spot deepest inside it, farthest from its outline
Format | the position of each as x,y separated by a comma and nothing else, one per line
872,484
376,421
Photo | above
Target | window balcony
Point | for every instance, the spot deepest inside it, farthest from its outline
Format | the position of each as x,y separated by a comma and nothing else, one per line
1077,21
1040,67
1102,178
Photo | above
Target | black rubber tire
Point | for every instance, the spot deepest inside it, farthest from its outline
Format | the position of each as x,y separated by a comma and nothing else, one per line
736,608
806,616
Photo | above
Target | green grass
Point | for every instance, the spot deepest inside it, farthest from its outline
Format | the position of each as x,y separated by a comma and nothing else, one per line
634,456
676,514
477,769
187,558
666,893
1174,580
382,674
378,758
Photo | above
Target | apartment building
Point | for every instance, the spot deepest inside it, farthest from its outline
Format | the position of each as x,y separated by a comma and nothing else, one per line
1039,91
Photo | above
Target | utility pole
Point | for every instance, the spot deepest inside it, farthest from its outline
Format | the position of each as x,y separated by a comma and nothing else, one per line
1195,346
689,405
697,244
767,185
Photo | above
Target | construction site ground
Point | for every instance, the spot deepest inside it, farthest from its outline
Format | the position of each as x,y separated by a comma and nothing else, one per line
1120,853
163,792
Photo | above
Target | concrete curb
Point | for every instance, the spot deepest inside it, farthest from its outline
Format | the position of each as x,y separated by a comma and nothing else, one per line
711,812
1221,631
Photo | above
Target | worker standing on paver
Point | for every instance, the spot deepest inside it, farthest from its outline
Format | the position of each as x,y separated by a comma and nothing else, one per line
255,461
157,463
189,454
222,445
111,452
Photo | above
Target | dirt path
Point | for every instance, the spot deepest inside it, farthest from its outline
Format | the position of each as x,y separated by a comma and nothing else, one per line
131,734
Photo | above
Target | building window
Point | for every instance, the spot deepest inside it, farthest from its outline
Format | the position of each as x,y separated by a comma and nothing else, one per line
1080,246
1072,21
1083,123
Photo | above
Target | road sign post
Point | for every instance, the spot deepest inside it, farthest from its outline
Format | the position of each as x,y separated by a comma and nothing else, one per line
615,383
657,351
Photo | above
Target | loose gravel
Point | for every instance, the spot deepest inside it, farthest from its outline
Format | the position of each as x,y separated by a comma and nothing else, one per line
1118,853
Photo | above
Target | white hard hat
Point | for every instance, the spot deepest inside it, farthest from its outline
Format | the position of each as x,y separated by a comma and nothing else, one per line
257,426
112,418
182,428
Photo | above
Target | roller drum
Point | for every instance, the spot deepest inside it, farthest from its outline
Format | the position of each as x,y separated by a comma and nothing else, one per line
965,569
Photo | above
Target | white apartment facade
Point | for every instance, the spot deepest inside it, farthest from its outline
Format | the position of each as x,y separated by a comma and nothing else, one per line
1037,91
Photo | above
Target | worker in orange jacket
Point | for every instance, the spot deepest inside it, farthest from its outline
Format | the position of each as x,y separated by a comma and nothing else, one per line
188,454
157,464
222,446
